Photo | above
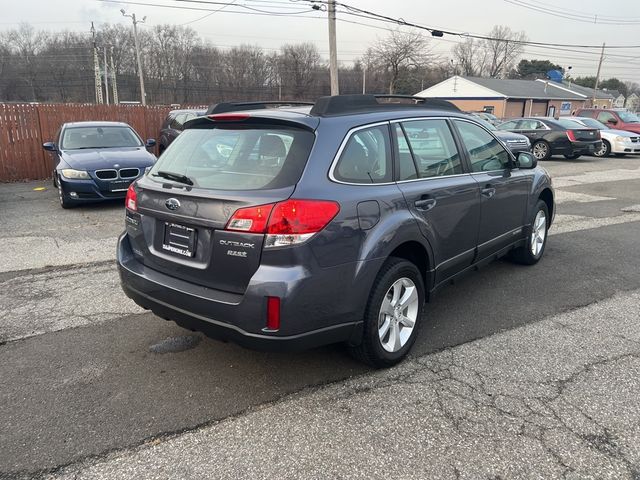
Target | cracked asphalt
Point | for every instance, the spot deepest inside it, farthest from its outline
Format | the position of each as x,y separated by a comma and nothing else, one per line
518,372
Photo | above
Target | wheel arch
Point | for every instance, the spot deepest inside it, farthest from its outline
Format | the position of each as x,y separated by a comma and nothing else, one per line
416,253
546,195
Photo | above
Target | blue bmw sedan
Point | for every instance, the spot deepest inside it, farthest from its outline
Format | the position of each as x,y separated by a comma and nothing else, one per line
96,161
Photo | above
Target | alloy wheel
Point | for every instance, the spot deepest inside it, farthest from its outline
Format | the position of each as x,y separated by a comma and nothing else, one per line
540,150
398,314
538,233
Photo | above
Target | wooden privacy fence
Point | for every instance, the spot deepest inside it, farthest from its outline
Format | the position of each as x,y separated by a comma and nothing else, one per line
23,129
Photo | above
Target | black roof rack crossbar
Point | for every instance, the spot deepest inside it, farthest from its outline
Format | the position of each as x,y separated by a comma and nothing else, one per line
344,104
226,107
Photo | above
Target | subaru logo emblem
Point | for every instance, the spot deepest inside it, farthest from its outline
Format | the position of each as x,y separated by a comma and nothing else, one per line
172,204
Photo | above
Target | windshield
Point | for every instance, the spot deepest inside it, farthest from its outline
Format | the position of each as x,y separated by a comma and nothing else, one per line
569,124
237,157
76,138
628,117
593,123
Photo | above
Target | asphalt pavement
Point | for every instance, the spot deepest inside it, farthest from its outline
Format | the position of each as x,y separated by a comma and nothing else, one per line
518,372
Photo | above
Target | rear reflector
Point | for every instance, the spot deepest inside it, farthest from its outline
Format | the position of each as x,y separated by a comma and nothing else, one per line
273,313
285,223
131,201
228,117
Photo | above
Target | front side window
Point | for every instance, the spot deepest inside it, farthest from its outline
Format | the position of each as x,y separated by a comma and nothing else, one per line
366,157
76,138
606,117
241,157
485,152
433,148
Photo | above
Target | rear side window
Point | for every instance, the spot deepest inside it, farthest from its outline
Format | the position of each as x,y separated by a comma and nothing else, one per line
434,151
366,158
510,125
605,117
485,152
238,157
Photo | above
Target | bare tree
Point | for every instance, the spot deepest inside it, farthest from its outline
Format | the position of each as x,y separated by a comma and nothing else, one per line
502,54
398,52
297,67
469,57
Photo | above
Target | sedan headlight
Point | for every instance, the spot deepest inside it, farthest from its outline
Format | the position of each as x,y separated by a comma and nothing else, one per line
620,138
75,174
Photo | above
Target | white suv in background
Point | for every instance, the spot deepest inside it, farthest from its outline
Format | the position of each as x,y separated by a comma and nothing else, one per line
618,142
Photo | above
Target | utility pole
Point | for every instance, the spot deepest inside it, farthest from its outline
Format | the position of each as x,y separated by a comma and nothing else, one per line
135,40
106,75
113,80
96,68
364,79
504,61
333,52
595,88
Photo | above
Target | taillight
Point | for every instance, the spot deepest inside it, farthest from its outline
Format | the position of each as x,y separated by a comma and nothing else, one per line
131,201
251,219
285,223
571,135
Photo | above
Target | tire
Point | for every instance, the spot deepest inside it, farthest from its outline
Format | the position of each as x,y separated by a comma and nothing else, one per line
605,151
65,202
573,156
541,150
55,180
397,278
533,250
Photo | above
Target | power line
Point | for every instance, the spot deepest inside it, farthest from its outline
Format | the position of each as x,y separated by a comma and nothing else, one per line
578,17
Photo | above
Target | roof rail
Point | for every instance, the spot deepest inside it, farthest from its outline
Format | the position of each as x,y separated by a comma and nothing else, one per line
257,105
343,104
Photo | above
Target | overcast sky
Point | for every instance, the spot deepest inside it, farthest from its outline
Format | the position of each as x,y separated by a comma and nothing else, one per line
227,28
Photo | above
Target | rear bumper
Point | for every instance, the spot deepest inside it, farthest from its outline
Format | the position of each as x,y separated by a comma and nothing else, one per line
583,148
241,318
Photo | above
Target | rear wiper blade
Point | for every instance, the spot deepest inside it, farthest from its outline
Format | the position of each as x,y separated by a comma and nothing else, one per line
176,177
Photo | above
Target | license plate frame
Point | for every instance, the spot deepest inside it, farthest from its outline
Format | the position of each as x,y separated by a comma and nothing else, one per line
119,185
179,239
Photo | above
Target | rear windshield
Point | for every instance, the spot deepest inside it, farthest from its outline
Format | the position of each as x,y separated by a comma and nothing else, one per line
76,138
238,157
569,124
593,123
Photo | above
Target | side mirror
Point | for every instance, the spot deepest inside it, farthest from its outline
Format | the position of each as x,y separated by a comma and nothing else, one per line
50,146
613,121
151,142
526,160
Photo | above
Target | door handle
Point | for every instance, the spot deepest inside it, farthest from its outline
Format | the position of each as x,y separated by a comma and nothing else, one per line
425,204
488,191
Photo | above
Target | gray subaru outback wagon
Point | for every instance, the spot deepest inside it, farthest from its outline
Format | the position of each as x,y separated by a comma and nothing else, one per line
301,225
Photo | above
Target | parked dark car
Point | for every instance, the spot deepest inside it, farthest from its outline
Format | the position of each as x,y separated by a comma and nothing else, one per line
173,126
324,224
552,136
620,119
97,161
516,142
487,117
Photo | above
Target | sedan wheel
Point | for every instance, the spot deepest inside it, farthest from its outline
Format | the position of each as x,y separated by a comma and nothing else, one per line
604,151
540,150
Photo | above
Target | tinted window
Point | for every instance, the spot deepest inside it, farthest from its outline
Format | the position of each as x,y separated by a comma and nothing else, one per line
239,157
485,152
510,125
407,166
366,157
591,123
74,138
433,148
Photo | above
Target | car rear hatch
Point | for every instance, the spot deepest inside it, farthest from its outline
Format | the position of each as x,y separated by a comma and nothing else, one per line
177,214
